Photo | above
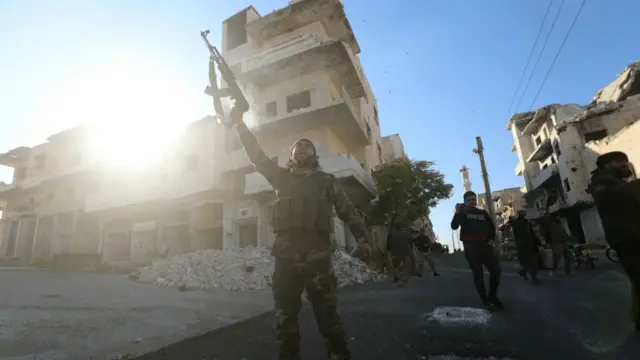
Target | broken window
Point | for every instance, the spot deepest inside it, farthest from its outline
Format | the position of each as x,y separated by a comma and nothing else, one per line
368,130
236,32
567,185
537,140
40,161
231,140
556,148
375,115
20,174
191,162
298,101
271,108
595,135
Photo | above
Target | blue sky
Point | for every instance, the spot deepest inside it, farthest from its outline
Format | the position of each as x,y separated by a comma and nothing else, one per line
443,71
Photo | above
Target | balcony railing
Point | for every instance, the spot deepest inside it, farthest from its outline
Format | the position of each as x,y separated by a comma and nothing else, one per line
342,166
544,175
542,151
127,194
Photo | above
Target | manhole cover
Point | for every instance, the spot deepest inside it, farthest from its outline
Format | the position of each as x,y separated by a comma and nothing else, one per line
456,316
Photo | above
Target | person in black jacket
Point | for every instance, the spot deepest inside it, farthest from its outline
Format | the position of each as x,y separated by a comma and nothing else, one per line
618,202
477,233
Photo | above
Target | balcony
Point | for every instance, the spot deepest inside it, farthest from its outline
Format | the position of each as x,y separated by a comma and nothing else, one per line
544,176
15,157
191,183
333,110
303,55
296,15
356,181
519,169
542,151
132,193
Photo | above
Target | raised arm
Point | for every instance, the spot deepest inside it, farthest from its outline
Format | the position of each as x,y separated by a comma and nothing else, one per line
347,212
455,222
265,166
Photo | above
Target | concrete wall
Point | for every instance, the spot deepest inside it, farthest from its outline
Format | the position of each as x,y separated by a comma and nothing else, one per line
626,140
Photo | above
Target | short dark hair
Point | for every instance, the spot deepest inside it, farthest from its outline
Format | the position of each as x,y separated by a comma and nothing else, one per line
468,194
607,158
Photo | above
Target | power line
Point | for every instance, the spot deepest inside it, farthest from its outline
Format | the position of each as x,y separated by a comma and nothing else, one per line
515,94
544,46
575,19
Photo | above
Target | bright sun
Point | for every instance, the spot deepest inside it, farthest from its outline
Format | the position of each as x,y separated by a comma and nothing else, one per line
136,110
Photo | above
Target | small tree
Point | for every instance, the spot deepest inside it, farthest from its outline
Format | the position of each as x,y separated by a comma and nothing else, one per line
406,190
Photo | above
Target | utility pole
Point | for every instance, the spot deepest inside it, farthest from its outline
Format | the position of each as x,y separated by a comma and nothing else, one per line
485,176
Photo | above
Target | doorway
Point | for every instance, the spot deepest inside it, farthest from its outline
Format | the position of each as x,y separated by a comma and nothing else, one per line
575,225
248,234
12,240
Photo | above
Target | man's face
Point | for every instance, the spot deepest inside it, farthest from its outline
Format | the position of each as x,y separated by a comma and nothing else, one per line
621,168
303,154
471,201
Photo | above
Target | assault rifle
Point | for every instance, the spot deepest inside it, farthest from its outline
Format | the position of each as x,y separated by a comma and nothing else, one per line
232,91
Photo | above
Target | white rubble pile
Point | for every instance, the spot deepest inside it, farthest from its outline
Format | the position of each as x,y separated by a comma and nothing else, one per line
238,270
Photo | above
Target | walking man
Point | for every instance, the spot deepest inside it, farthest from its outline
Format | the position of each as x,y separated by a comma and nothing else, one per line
302,222
423,244
400,247
559,239
477,233
618,202
527,245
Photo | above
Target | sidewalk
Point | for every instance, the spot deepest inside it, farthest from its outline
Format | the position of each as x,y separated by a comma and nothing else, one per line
64,315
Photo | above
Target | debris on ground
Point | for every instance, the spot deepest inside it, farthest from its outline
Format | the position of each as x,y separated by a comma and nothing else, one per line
237,270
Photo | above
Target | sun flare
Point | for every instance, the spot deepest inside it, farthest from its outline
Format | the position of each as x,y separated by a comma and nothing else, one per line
134,111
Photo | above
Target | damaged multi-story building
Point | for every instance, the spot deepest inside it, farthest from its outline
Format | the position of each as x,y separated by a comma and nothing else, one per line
300,70
557,146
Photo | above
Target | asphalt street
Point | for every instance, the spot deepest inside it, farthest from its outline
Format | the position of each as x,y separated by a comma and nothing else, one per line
583,316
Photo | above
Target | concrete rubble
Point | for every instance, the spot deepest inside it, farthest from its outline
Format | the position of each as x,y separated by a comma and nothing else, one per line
237,270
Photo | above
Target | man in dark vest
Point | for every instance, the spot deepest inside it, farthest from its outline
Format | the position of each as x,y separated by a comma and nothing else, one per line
527,245
302,222
400,247
477,233
618,202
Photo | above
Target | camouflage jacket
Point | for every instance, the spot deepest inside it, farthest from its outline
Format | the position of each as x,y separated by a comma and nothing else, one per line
302,215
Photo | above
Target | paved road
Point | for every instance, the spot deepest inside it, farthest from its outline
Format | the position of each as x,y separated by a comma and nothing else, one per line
580,317
54,315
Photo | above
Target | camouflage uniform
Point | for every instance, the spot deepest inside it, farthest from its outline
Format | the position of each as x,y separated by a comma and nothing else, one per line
302,222
559,240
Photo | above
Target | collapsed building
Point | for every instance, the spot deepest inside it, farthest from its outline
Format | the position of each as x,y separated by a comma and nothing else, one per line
557,146
299,67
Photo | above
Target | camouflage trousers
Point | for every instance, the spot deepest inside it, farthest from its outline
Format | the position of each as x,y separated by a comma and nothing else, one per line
402,268
315,276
